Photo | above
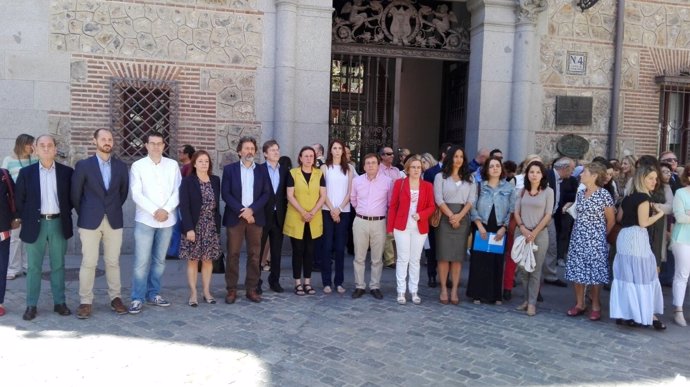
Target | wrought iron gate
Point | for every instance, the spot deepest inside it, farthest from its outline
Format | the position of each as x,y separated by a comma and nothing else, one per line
361,112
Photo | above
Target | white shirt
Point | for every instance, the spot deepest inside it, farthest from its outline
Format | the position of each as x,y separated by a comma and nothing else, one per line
49,196
247,181
155,186
336,187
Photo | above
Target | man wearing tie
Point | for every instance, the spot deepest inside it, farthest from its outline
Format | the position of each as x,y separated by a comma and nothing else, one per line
45,212
245,190
564,186
100,185
276,207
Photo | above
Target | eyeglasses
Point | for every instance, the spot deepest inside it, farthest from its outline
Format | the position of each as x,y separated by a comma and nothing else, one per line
666,173
388,154
671,160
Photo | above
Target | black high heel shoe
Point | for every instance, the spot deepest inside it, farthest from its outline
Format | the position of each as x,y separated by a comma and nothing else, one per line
658,325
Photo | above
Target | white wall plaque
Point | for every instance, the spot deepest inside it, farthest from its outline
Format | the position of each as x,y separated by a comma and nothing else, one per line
576,63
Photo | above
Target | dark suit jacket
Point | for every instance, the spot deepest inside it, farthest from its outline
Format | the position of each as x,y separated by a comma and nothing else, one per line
232,194
28,200
190,202
90,198
568,188
430,173
279,198
6,214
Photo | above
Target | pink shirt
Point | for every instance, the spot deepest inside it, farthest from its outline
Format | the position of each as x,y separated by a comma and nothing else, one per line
371,197
392,172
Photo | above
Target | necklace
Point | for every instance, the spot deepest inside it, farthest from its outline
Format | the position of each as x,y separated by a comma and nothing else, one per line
531,194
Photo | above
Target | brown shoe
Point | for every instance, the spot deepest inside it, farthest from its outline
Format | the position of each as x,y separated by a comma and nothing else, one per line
117,305
84,311
231,297
253,296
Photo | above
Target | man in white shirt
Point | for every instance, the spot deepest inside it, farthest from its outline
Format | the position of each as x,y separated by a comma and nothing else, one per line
154,183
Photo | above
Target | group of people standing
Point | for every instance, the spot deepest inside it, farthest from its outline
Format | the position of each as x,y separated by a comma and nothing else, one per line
526,222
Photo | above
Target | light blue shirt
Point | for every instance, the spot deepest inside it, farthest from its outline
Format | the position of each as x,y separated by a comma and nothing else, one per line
49,196
104,165
274,174
247,176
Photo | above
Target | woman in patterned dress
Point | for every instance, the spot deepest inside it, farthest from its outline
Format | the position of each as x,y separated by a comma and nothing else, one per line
199,198
587,262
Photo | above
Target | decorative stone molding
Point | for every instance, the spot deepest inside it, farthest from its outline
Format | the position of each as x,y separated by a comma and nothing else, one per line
157,32
529,10
399,23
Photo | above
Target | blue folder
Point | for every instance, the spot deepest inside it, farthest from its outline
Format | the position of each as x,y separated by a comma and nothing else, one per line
489,245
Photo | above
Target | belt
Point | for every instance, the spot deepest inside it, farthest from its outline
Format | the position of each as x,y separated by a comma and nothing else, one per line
49,216
371,217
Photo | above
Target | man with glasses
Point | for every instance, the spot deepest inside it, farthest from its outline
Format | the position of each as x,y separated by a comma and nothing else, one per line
154,183
670,158
387,169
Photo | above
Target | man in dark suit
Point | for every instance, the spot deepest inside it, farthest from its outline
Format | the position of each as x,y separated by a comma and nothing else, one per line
100,185
564,187
276,207
245,190
45,211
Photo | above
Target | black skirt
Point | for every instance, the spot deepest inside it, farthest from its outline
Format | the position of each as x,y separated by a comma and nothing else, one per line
485,281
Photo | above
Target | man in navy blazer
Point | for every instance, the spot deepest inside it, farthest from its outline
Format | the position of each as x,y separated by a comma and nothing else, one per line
276,208
245,190
45,211
100,185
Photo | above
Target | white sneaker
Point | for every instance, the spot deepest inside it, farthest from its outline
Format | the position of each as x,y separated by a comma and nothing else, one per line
401,299
415,299
679,318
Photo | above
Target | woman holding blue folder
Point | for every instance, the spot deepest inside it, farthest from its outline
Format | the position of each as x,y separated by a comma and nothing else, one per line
533,209
491,214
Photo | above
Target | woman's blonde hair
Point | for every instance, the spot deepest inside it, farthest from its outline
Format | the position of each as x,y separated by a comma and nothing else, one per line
410,160
640,174
429,159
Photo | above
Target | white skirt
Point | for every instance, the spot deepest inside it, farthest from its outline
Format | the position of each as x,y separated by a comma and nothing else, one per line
635,291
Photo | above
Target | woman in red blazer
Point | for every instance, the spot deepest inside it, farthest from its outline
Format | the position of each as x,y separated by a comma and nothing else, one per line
408,219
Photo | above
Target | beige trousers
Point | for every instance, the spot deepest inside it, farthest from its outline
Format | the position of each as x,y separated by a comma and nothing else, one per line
365,234
90,244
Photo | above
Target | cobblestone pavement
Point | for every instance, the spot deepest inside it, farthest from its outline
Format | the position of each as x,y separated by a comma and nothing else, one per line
330,340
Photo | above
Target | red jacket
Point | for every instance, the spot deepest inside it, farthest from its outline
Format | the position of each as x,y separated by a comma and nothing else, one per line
400,205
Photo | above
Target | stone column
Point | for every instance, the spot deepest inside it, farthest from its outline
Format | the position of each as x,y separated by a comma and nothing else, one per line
286,46
492,35
526,96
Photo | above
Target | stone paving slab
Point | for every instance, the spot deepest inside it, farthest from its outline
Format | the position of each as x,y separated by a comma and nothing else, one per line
331,340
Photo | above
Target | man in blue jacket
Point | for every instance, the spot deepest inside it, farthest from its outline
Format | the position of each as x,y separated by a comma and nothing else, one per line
100,185
45,212
245,190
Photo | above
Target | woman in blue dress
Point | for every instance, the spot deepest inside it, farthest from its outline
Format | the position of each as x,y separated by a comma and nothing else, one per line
588,252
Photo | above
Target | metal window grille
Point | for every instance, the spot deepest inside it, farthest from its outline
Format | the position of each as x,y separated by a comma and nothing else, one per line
139,107
674,119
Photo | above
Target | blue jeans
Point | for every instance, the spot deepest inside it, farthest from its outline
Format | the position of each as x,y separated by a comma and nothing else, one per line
150,246
174,248
334,240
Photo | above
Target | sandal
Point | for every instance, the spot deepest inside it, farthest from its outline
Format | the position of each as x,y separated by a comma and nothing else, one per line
575,311
309,290
658,325
595,315
443,300
299,290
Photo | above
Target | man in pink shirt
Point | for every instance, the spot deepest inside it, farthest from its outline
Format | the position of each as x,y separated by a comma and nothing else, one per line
387,169
370,195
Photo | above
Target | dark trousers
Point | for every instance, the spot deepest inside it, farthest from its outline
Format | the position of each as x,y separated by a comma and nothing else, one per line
302,254
273,233
252,234
563,235
431,255
4,261
333,241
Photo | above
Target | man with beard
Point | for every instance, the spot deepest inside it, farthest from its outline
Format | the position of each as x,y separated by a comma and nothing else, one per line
246,189
100,185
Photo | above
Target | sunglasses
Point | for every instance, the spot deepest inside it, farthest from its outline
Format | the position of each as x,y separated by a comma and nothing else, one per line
671,160
388,154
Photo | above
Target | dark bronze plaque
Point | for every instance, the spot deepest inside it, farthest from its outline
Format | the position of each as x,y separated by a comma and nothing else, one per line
573,110
573,146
